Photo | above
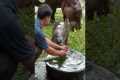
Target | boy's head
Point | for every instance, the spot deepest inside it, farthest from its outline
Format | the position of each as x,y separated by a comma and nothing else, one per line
44,13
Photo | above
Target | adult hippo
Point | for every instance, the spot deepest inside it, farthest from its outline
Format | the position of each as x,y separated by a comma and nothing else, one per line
71,10
98,7
24,3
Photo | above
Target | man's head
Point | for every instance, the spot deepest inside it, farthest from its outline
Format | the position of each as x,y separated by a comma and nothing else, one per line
44,14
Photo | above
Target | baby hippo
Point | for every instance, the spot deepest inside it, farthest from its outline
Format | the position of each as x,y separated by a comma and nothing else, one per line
59,35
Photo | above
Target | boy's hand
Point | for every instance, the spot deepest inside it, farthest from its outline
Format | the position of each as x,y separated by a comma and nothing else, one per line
62,53
64,47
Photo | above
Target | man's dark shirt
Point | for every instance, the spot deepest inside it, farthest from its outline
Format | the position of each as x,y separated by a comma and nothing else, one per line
12,39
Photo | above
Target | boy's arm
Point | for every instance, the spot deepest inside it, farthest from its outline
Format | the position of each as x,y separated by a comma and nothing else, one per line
55,52
42,43
54,45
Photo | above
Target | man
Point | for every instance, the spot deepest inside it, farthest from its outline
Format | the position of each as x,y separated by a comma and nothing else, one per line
14,47
42,20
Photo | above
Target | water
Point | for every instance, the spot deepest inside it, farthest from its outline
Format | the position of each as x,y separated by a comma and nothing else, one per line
73,62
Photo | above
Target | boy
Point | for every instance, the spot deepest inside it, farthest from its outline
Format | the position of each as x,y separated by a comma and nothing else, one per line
42,20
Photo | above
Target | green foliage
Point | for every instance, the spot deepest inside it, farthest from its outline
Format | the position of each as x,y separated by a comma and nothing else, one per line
103,41
26,17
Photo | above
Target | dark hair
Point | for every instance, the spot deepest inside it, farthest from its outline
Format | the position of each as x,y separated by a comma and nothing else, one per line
43,11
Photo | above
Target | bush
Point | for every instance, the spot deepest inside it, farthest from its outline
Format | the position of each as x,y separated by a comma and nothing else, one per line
103,41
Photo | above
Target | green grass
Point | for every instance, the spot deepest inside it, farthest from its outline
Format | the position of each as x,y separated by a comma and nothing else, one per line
76,39
26,17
